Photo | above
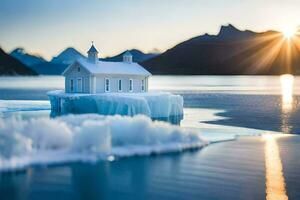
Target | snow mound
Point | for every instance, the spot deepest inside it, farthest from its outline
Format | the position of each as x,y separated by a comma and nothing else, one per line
87,137
159,105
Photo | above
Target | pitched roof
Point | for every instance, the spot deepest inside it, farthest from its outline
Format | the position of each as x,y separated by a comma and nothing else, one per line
92,49
127,53
120,68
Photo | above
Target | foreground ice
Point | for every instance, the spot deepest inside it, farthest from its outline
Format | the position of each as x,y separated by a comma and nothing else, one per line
157,105
87,137
199,118
8,106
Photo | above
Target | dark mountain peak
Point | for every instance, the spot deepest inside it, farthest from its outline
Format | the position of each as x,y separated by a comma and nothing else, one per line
138,56
230,52
22,51
134,51
227,33
228,29
19,50
67,56
207,36
230,32
137,53
26,58
12,66
70,50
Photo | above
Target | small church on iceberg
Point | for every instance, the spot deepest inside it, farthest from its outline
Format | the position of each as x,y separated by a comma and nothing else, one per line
112,88
91,76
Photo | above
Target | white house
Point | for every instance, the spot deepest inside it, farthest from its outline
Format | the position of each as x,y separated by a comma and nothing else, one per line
93,76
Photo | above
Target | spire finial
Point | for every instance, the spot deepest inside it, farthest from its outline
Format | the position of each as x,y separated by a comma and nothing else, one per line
92,42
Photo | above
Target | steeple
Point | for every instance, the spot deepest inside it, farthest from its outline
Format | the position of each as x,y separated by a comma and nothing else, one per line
93,54
127,57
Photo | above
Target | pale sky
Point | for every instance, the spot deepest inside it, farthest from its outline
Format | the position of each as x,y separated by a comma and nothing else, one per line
47,27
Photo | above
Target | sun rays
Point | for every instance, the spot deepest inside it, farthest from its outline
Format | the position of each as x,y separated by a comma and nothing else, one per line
289,32
271,52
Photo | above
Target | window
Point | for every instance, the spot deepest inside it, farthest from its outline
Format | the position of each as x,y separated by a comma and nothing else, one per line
107,85
120,85
143,85
79,85
130,85
72,85
78,69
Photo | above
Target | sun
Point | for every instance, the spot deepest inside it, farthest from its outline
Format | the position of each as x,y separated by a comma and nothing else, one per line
289,32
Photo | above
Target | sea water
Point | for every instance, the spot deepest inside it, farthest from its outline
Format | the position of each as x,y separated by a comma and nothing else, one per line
220,107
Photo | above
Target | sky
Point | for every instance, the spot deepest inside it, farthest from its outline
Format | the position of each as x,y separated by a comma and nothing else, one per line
46,27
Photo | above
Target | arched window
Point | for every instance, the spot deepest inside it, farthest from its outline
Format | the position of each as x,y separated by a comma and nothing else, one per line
130,85
107,85
120,85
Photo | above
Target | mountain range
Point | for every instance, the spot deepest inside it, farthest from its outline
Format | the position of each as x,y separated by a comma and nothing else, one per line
230,52
67,56
59,63
138,56
11,66
26,58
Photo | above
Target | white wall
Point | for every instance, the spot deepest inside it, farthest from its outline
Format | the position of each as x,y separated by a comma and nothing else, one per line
74,74
137,83
95,83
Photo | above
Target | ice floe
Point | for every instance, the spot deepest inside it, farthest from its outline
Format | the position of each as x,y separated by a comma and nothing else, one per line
68,138
153,104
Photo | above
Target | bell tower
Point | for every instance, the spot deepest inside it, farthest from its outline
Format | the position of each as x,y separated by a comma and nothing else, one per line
93,54
127,57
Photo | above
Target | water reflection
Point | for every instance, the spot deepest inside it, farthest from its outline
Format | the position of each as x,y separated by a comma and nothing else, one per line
287,86
275,183
287,89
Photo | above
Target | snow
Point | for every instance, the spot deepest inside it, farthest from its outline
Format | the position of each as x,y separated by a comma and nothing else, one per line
89,137
120,68
152,104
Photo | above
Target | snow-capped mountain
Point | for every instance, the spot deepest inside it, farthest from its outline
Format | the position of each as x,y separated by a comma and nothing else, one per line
26,58
67,57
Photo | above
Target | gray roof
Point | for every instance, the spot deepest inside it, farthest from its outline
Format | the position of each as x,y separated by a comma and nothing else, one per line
120,68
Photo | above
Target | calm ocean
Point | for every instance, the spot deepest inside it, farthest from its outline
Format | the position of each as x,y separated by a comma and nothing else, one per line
218,105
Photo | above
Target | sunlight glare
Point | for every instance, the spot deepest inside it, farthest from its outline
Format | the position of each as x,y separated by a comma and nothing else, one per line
287,85
289,32
275,182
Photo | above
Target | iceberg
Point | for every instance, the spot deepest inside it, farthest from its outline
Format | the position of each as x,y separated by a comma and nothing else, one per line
156,105
88,137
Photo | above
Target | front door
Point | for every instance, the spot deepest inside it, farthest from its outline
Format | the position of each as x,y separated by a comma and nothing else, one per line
79,85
